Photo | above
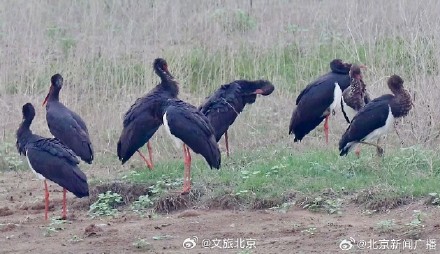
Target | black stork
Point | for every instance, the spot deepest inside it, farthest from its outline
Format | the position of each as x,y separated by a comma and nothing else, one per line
319,99
66,125
188,127
376,118
144,117
223,107
355,96
50,159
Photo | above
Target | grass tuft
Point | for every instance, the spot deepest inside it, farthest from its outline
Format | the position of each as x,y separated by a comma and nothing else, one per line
265,180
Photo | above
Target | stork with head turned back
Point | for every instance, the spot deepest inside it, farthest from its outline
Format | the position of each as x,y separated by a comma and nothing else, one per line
319,99
144,117
50,159
355,96
66,125
224,106
376,118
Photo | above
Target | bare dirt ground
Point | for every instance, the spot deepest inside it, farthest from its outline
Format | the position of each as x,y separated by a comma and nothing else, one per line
23,229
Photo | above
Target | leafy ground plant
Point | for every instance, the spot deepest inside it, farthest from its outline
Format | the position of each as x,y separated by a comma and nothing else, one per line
414,228
141,205
386,226
56,225
105,205
9,158
331,206
142,244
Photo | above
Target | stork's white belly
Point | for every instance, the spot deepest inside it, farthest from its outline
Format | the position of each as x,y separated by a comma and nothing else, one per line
177,140
337,96
41,177
379,132
349,111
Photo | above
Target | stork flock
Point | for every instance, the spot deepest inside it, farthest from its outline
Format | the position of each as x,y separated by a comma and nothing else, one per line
200,129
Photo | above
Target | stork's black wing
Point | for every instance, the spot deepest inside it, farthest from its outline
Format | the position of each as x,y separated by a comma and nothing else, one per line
310,110
141,121
223,107
65,126
59,164
330,78
371,117
193,128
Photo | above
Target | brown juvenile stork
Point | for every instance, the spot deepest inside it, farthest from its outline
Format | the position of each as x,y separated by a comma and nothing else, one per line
188,127
355,96
319,99
66,125
377,117
224,106
144,117
50,159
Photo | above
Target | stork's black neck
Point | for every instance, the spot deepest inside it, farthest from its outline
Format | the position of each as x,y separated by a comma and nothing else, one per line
168,83
173,89
169,88
249,99
24,135
163,73
54,94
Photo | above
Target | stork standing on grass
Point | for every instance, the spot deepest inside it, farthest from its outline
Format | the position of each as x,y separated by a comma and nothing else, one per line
188,127
377,117
66,125
224,106
144,117
50,159
319,99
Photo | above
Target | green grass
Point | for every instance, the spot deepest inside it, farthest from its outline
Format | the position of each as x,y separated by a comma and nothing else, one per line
271,174
290,66
9,158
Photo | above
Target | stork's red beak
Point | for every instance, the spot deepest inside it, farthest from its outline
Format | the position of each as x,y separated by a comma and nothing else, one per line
47,96
363,66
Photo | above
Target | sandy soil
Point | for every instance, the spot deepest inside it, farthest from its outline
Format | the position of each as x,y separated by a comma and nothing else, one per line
24,230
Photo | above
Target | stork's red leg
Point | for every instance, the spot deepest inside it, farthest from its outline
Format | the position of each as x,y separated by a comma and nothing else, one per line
188,154
64,216
149,165
187,171
227,144
358,151
379,149
150,154
46,199
326,128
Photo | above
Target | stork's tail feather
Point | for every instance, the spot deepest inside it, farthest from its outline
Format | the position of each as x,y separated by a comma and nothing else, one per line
345,150
88,156
345,146
292,122
301,128
124,150
78,184
214,157
119,148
